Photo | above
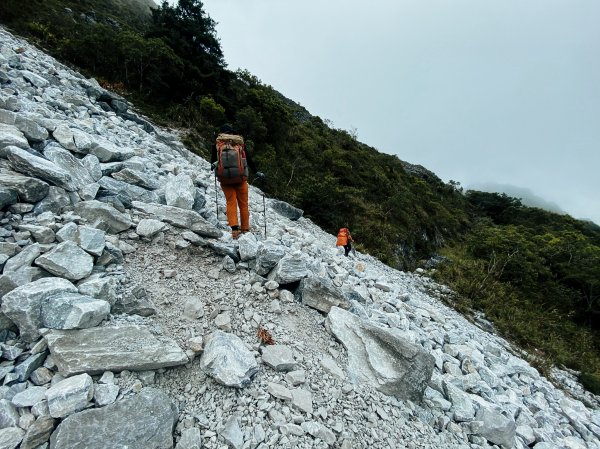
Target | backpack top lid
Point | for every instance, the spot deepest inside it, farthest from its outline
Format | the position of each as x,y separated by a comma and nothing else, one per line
233,138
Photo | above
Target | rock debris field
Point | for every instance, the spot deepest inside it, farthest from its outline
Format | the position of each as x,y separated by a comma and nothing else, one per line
130,319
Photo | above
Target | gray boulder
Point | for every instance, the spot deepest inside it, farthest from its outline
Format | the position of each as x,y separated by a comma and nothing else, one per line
320,293
127,191
70,395
92,164
64,135
24,259
496,427
113,348
11,136
41,234
279,357
27,189
135,303
107,151
35,79
190,439
11,280
193,308
91,240
80,176
23,304
290,268
73,311
67,260
149,227
33,131
180,218
38,167
378,357
105,394
227,360
111,254
109,168
199,200
248,246
67,233
54,201
180,191
103,216
8,197
136,178
24,369
29,397
9,416
144,421
82,141
268,255
99,286
286,210
89,192
232,434
224,249
38,433
11,437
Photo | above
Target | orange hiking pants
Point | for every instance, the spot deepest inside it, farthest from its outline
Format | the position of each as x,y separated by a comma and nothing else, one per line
237,195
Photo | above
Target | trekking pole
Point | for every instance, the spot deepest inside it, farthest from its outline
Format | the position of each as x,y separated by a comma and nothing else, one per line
265,213
264,205
216,198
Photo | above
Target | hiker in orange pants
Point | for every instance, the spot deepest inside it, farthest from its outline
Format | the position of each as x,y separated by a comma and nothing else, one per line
230,160
236,196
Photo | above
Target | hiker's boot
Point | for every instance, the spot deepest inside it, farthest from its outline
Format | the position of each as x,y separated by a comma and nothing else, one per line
235,232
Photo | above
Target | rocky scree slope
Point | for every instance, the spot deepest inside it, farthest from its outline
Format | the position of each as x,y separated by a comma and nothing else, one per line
129,318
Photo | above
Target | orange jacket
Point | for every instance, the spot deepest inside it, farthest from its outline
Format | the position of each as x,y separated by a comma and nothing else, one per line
343,237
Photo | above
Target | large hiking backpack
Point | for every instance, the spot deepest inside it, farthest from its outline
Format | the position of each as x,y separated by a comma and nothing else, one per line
232,167
342,238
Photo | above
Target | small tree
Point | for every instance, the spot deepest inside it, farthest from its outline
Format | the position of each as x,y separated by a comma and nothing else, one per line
212,112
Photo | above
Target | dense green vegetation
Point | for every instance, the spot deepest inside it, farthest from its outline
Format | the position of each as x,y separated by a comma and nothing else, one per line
535,274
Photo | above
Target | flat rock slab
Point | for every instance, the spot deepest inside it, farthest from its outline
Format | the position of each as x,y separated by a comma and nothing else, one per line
114,348
142,422
378,357
67,260
103,216
38,167
181,218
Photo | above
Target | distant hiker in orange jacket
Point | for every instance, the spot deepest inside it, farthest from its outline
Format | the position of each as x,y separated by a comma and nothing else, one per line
344,239
231,160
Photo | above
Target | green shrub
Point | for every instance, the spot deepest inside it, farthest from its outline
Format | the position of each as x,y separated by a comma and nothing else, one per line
211,112
591,382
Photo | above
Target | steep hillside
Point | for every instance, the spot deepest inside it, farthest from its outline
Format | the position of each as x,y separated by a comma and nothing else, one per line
534,273
130,318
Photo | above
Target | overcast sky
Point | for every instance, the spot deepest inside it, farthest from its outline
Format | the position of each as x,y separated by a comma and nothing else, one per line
504,91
